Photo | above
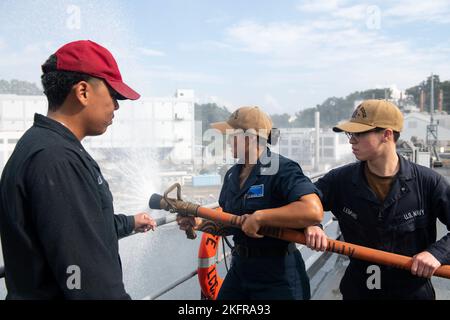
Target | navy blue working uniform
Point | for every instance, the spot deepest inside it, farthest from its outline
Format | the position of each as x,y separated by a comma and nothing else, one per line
404,223
264,268
56,215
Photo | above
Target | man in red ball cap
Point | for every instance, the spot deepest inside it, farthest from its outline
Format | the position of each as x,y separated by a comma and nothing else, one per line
57,223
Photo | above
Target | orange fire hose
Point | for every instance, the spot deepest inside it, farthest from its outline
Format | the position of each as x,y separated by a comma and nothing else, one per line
336,246
291,235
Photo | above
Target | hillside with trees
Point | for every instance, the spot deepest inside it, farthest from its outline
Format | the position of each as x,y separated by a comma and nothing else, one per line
426,87
332,110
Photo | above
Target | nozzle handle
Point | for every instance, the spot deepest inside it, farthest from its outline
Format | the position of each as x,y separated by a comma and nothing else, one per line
155,201
190,233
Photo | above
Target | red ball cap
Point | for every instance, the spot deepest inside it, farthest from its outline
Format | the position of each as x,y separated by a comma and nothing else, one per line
88,57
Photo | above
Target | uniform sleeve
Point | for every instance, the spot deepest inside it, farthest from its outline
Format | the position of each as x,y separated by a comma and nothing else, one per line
441,203
67,212
292,184
325,185
124,225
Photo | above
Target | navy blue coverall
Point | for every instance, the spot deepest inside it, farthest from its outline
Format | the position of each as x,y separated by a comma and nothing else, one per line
265,268
404,223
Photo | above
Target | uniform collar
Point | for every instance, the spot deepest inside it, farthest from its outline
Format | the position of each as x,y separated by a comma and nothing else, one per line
47,123
262,162
399,188
405,172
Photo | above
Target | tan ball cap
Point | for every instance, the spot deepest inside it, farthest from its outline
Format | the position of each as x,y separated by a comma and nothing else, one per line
371,114
247,118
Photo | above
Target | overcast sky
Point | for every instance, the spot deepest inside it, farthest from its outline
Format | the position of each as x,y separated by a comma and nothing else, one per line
282,55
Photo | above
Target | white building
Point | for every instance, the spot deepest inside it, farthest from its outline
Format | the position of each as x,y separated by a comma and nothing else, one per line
16,116
415,125
298,144
165,125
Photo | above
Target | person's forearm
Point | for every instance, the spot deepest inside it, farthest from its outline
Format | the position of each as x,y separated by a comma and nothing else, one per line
296,215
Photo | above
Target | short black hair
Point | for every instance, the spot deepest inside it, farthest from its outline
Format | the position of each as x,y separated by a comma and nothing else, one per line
395,133
272,139
58,83
274,136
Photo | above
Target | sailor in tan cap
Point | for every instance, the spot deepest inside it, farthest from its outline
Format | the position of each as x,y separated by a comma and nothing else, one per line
372,114
385,202
250,128
263,267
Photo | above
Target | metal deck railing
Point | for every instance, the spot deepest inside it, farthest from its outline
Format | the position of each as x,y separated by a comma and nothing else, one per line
309,263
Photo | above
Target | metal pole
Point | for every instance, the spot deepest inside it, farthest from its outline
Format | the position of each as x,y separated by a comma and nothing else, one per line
317,140
432,98
171,286
180,281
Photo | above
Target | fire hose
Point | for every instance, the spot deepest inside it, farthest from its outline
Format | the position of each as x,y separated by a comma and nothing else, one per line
189,209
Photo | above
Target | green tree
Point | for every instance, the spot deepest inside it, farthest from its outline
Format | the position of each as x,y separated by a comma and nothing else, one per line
304,118
208,113
20,88
335,109
281,120
426,87
445,86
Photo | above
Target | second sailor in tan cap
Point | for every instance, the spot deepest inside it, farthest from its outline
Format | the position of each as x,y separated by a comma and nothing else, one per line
263,268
